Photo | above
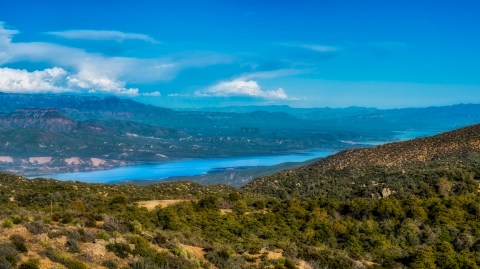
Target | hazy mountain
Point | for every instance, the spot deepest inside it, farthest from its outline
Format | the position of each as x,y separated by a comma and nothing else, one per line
45,119
120,131
439,117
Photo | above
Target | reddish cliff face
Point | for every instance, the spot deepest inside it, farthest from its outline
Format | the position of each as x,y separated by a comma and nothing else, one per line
45,119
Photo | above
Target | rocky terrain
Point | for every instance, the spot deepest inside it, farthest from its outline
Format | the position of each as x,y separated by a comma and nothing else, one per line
379,170
41,141
47,133
382,207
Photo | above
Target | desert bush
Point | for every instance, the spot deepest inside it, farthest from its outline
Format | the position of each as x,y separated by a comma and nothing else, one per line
72,245
19,242
122,250
7,223
35,227
142,246
30,264
80,234
68,262
110,264
114,224
16,219
8,255
103,235
225,259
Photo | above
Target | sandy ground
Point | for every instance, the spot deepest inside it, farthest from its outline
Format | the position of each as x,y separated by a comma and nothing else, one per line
151,204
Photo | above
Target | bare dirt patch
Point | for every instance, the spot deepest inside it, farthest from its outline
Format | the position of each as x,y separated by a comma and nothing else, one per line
198,253
224,211
151,204
304,265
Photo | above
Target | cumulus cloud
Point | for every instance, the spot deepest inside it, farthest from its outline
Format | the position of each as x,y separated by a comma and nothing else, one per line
99,84
58,80
17,80
102,35
245,88
96,72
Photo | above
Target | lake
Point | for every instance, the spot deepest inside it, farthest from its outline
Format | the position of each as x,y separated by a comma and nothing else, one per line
202,166
183,168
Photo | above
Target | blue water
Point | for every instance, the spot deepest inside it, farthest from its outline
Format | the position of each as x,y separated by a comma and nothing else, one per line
182,168
203,166
407,135
403,136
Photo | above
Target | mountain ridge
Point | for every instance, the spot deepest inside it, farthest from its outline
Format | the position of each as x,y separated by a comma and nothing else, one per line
373,171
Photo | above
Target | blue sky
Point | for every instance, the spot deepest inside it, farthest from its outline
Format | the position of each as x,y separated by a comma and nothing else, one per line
219,53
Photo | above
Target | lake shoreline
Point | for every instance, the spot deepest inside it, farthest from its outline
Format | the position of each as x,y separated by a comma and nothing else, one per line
191,167
123,173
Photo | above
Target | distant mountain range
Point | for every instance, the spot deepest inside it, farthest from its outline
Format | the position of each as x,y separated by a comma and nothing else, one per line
391,168
455,116
67,131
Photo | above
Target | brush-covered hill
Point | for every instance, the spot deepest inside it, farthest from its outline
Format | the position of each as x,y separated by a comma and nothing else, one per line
325,215
398,168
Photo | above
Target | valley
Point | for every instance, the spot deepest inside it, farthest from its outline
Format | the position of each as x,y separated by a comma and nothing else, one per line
54,134
410,204
239,134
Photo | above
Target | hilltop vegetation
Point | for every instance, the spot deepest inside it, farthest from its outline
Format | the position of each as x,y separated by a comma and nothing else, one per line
74,225
403,168
383,207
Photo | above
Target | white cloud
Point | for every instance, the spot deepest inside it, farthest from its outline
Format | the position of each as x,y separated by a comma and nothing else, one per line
20,81
6,34
96,72
240,87
153,94
99,84
58,80
176,94
102,35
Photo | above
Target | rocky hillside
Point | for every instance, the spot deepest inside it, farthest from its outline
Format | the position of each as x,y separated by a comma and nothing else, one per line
45,119
396,167
458,143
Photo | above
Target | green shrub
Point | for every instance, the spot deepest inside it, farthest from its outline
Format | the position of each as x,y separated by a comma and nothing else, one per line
16,219
35,227
66,261
122,250
8,255
30,264
103,235
110,264
19,242
7,223
142,247
72,245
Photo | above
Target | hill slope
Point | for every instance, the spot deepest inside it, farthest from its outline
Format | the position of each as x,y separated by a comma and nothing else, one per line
395,167
427,217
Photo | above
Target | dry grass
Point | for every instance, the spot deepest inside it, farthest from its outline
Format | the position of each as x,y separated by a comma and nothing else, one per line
198,253
151,204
